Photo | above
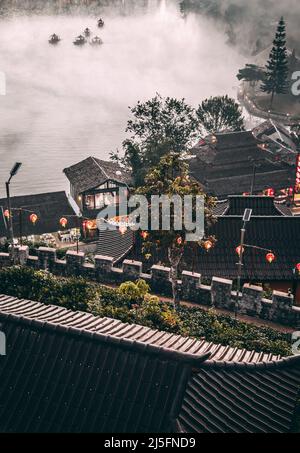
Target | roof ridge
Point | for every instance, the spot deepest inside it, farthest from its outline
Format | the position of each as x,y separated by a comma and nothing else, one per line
284,362
101,168
176,354
187,358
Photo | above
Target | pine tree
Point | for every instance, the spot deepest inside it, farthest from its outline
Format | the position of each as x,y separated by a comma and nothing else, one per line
277,69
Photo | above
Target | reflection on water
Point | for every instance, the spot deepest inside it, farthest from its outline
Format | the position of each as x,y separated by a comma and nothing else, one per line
65,103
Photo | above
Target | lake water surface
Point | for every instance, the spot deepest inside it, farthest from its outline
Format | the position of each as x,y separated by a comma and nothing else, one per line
64,103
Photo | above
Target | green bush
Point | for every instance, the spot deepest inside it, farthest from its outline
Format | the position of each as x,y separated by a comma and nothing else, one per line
132,303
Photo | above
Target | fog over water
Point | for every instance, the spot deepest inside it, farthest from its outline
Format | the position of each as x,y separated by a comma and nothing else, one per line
65,103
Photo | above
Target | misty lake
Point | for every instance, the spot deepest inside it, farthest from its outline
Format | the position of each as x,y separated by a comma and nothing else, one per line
64,103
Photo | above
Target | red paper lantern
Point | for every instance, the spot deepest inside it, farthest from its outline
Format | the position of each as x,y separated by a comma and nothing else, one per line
270,257
6,214
179,241
33,218
89,225
238,250
208,245
298,267
123,229
64,222
144,235
270,192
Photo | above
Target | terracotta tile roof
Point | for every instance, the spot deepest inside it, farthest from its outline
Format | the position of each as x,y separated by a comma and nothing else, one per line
73,372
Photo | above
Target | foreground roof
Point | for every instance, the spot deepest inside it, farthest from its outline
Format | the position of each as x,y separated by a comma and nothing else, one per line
92,172
71,371
49,207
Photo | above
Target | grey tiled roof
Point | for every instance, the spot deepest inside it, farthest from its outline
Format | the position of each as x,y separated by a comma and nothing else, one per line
92,172
73,372
49,207
225,168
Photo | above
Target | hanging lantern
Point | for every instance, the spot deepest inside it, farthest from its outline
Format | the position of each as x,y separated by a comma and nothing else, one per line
89,224
270,257
298,267
123,229
64,222
33,218
144,235
179,241
208,245
270,192
6,214
239,250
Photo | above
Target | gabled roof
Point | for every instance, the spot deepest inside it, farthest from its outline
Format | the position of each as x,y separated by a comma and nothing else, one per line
92,172
73,372
49,207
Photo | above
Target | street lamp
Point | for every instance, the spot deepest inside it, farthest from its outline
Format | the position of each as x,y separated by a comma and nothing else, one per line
13,173
246,218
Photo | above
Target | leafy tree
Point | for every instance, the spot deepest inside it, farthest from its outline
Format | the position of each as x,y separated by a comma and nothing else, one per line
157,127
220,113
251,73
171,177
277,68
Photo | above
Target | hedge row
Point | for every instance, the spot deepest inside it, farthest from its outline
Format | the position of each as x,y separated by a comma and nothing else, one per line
132,303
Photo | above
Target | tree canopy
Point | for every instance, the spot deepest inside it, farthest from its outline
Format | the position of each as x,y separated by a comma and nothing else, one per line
251,73
157,127
171,177
220,113
277,68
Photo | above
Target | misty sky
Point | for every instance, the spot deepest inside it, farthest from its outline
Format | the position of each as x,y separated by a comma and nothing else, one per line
65,103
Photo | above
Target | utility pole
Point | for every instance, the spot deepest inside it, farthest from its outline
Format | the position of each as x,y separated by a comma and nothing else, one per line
13,172
246,218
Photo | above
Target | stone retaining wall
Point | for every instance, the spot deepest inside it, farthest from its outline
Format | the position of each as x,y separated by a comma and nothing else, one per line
219,295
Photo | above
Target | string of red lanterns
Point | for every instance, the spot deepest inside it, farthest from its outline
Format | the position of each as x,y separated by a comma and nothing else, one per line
270,256
297,185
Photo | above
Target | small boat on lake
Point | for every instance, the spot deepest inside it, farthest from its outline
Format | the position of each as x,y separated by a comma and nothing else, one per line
79,41
96,41
54,39
100,23
87,32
